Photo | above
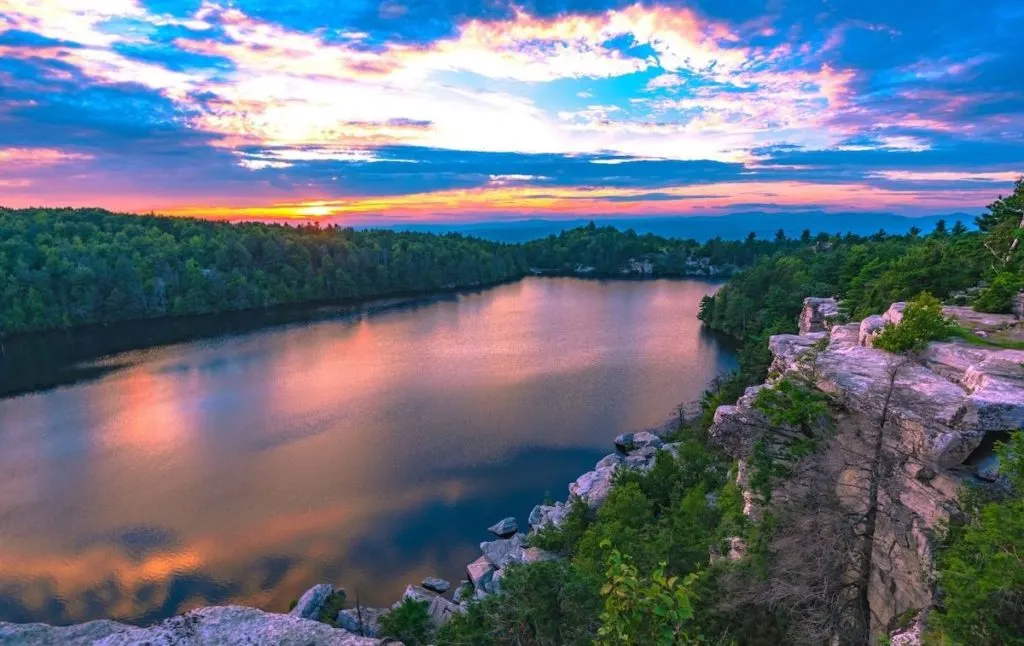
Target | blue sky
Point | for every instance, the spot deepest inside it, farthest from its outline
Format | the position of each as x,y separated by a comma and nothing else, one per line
373,111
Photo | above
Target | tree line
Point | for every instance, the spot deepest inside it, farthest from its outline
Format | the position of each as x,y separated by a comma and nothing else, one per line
61,268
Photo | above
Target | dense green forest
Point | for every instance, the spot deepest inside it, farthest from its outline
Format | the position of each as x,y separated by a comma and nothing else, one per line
67,267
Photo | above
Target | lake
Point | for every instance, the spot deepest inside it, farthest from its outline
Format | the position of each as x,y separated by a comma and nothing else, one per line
367,450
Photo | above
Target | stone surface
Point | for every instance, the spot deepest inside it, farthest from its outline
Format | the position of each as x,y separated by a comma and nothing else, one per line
349,619
312,601
480,572
642,459
869,329
646,439
894,314
593,486
504,528
611,460
544,515
624,442
845,334
818,314
415,593
987,468
1017,305
909,636
985,321
441,611
503,551
463,591
212,626
434,584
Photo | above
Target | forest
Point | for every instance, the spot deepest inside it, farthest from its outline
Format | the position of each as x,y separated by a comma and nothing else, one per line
61,268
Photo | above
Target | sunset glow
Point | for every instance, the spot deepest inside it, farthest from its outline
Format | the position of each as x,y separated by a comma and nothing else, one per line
371,112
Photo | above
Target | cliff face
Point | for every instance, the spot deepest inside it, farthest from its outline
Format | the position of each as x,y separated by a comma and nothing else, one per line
908,433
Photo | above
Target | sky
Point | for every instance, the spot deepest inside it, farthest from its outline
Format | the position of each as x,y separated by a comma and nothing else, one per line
362,111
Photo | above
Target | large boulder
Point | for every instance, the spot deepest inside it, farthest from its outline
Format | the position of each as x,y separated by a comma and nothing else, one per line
736,428
503,551
504,528
212,626
624,442
645,439
415,593
544,515
480,573
848,334
434,584
894,314
441,611
593,486
818,314
870,328
611,460
312,601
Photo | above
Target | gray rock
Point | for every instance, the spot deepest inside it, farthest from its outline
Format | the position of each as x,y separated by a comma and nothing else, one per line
848,334
818,314
312,601
504,528
415,593
544,515
870,327
894,314
212,626
624,442
611,460
480,572
645,439
641,459
983,321
593,486
503,551
349,619
1017,305
435,584
987,468
441,611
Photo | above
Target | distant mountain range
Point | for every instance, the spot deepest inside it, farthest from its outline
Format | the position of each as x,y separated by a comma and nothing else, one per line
733,226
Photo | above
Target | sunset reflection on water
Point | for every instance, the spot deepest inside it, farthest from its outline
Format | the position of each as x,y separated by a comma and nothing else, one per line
368,452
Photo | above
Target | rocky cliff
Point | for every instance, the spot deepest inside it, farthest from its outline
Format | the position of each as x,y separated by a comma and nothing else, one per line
908,432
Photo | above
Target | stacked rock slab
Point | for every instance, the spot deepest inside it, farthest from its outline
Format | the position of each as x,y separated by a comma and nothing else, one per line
228,625
930,415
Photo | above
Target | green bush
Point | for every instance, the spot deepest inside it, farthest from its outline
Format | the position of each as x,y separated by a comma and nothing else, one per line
997,296
652,610
547,603
329,611
981,572
922,323
791,404
409,623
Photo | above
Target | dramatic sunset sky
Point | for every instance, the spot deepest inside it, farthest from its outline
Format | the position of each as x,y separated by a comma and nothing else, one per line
388,110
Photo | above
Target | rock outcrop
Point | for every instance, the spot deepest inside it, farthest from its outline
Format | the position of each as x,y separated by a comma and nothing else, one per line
818,315
312,600
910,431
213,626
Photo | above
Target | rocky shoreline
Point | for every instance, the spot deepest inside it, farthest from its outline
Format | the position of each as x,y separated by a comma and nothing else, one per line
302,625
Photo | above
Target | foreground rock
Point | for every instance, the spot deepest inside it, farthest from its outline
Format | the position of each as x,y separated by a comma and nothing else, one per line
312,601
504,528
435,584
214,626
818,314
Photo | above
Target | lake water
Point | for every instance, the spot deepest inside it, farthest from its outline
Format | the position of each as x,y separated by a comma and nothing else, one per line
369,451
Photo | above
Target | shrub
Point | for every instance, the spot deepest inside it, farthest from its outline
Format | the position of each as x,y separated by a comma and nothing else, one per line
545,603
409,623
332,606
922,323
792,404
644,610
996,297
981,572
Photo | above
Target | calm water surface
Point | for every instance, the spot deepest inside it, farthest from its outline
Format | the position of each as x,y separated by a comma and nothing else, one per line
369,451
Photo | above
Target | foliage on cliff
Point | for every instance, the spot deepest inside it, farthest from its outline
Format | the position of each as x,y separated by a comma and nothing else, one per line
981,571
922,323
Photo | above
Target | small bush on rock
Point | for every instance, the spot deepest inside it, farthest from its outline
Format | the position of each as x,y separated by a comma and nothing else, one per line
409,623
922,323
997,296
792,404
